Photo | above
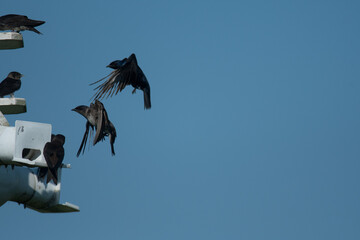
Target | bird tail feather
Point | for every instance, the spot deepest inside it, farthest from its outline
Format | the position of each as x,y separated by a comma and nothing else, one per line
147,101
34,30
112,149
52,176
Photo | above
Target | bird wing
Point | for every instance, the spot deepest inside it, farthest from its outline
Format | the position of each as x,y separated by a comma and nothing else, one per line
13,19
50,155
117,81
107,128
109,86
100,79
104,116
9,86
99,108
20,20
52,160
127,75
84,140
60,153
112,137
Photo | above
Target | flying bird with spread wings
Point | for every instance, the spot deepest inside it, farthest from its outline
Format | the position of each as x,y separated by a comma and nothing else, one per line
126,72
54,155
97,118
19,23
10,84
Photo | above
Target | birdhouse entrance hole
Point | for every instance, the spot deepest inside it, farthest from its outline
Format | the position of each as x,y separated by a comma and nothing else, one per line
31,154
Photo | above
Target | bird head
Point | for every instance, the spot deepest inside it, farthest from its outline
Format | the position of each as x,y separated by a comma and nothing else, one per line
59,138
117,64
15,75
80,109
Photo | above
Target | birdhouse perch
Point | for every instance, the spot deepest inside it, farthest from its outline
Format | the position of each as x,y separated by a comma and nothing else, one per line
11,40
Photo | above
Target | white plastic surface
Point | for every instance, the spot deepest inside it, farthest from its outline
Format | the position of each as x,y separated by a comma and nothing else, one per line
12,105
22,185
25,135
31,135
7,144
59,208
11,40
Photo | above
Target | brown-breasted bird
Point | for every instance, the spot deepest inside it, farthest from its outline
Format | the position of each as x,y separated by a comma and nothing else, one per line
97,118
10,84
126,72
54,155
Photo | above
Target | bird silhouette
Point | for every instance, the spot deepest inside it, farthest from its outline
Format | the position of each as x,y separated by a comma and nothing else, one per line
54,155
97,118
19,23
126,72
10,84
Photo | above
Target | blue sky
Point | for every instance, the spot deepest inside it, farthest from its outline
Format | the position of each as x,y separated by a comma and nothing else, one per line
254,127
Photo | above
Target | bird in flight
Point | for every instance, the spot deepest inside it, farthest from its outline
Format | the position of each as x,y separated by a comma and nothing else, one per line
97,118
10,84
126,72
19,23
54,155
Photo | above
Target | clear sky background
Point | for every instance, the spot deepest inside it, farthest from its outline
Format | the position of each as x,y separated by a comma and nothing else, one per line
254,128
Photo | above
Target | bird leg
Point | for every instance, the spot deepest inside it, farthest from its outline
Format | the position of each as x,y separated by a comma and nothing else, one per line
133,91
12,95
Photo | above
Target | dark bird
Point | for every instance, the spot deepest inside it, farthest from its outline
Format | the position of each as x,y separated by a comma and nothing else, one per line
10,84
54,155
97,118
19,23
126,72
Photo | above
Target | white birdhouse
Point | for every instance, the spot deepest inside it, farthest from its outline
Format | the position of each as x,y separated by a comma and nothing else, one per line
21,158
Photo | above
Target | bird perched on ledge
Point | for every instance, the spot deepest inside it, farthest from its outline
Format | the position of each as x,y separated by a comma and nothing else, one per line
19,23
54,155
97,118
126,72
10,84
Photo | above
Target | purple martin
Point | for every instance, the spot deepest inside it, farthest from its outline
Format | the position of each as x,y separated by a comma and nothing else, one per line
126,72
54,155
10,84
97,118
19,23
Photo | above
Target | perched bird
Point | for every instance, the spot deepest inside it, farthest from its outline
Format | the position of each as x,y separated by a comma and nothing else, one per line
97,118
126,72
10,84
19,23
54,155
